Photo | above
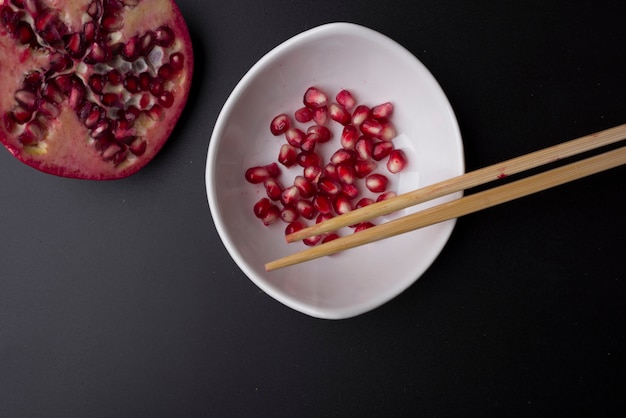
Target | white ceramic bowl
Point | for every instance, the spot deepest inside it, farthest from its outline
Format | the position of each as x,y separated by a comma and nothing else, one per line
376,69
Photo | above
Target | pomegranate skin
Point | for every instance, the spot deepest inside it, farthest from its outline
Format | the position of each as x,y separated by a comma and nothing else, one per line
76,129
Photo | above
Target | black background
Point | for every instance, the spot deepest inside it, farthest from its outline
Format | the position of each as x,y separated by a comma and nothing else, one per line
118,299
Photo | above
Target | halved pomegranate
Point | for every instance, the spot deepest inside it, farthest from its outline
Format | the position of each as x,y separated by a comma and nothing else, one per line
91,89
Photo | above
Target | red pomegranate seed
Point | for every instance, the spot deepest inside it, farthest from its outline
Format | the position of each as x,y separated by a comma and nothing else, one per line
273,170
349,136
166,99
290,196
365,201
164,36
312,173
312,241
376,183
342,205
287,155
294,136
177,61
262,207
382,111
339,114
329,187
323,217
306,209
303,115
273,188
396,161
309,143
306,159
280,124
388,132
350,190
272,216
289,214
372,127
330,237
256,175
322,204
364,148
320,133
315,98
345,172
294,226
363,226
360,114
343,155
345,98
363,168
320,115
385,196
306,188
330,171
381,150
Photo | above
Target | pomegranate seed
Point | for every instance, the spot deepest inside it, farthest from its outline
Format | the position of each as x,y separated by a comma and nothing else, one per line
312,173
381,150
306,159
147,42
345,173
280,124
166,99
330,237
138,147
309,143
322,204
164,36
312,241
350,190
343,155
329,187
110,99
303,115
339,114
26,98
306,209
145,81
21,115
294,136
345,98
273,170
330,171
272,216
112,22
360,114
382,111
396,161
166,72
131,83
315,98
273,188
256,175
342,205
376,183
262,207
114,77
290,196
289,214
287,155
323,217
364,148
363,226
389,131
177,61
385,196
75,44
372,127
365,201
294,226
306,188
363,168
95,9
320,116
321,133
349,137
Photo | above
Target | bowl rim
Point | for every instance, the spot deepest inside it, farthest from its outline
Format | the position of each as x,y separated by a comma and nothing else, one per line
218,130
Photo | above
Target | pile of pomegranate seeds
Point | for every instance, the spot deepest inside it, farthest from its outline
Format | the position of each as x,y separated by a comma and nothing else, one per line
320,189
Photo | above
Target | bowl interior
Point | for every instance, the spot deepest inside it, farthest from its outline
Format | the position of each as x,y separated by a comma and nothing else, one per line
376,69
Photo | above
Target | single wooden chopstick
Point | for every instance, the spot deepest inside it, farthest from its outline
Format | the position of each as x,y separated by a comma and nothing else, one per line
460,207
467,181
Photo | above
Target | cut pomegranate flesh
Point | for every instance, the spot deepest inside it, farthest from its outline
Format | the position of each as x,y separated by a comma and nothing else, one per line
91,89
321,189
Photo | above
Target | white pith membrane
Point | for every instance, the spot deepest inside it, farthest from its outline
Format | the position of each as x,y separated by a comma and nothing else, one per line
71,140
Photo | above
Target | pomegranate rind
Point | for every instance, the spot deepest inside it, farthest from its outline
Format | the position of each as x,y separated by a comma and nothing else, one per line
67,149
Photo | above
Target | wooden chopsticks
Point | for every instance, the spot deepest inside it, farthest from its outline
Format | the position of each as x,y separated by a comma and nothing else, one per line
468,204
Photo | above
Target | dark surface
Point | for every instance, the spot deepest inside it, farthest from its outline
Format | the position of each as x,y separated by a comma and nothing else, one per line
118,299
